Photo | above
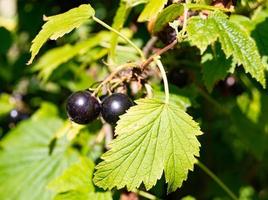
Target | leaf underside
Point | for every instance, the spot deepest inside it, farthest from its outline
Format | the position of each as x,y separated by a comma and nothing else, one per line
152,137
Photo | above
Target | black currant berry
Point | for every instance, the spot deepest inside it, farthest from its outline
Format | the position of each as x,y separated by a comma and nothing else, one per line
178,77
230,87
16,116
167,35
82,107
115,105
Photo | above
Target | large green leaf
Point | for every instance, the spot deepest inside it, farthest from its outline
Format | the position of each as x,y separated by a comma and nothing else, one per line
151,137
235,42
76,183
58,25
25,163
152,9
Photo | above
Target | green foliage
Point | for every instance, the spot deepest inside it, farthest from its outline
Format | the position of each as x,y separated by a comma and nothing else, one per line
152,137
59,25
169,14
154,145
215,66
75,184
235,42
119,20
6,104
151,10
26,166
55,57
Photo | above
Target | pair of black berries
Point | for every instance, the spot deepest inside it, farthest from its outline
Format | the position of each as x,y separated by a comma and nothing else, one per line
83,108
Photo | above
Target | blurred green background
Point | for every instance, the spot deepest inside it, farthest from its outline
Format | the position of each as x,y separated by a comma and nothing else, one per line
233,116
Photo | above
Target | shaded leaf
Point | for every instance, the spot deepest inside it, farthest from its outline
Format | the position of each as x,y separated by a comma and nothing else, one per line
25,164
57,56
75,183
215,66
6,104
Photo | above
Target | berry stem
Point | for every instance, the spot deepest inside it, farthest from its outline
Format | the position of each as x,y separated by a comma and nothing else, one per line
158,53
164,76
146,195
121,35
217,180
110,77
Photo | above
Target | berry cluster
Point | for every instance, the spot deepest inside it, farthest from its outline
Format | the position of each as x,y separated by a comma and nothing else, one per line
83,108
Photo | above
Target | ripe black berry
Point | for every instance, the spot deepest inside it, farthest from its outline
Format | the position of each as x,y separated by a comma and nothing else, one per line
167,35
230,87
115,105
178,77
16,116
82,108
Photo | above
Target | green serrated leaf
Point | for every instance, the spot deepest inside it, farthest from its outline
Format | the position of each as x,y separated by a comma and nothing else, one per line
75,183
151,137
25,164
169,14
215,66
235,42
58,25
151,10
198,29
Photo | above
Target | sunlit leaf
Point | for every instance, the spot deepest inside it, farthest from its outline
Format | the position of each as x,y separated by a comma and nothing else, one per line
152,9
58,25
151,138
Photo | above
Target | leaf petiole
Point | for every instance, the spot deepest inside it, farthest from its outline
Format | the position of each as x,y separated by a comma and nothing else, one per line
164,76
121,35
194,6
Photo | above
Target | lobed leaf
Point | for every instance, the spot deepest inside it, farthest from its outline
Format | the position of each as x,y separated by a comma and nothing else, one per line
152,137
235,42
58,25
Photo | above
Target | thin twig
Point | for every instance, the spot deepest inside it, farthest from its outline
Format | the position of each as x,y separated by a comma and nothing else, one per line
135,64
158,53
114,73
150,44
